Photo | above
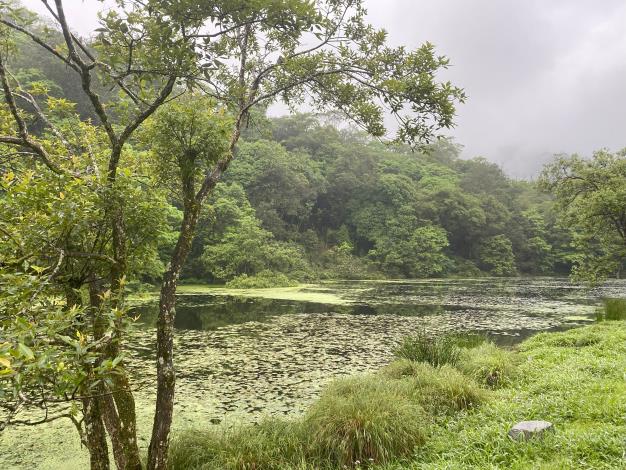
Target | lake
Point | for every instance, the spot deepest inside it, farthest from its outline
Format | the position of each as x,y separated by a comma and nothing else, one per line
241,355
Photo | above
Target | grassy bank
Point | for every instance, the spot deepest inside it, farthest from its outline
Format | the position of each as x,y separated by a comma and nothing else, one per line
454,414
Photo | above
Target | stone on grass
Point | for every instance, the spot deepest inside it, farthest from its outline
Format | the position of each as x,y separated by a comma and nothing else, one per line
526,430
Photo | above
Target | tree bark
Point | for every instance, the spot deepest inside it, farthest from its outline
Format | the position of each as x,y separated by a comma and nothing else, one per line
95,435
118,405
166,375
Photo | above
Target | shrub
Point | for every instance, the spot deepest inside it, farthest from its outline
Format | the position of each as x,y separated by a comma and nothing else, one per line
434,350
613,309
440,390
364,420
264,280
488,364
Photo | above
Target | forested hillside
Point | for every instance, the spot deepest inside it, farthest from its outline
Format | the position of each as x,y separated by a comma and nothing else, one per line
304,195
311,198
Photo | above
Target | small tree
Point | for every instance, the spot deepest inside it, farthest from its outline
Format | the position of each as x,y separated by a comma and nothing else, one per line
591,197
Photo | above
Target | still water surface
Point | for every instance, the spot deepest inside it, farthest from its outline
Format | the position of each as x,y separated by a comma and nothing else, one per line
241,355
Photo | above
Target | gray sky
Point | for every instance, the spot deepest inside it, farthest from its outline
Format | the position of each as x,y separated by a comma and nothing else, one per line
542,77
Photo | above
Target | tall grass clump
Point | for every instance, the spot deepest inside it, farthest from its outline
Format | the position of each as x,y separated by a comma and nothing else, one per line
613,309
469,340
488,364
435,350
364,420
441,391
271,444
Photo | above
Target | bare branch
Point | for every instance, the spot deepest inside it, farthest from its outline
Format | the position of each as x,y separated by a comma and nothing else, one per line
85,73
23,139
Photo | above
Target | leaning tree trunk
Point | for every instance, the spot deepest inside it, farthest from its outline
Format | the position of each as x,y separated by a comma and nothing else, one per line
166,375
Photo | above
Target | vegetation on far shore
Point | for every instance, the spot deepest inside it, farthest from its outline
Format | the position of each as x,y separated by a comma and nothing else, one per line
414,415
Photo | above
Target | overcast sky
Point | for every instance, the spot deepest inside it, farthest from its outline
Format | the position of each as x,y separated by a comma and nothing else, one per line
542,77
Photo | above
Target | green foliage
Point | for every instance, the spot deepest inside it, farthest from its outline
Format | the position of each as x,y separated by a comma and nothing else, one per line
358,210
239,245
613,309
591,198
263,280
46,351
339,262
417,253
435,350
282,186
186,137
496,255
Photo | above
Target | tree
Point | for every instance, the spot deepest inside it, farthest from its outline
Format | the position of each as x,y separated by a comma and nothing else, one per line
591,196
282,186
239,245
412,253
55,240
253,54
145,74
496,256
244,55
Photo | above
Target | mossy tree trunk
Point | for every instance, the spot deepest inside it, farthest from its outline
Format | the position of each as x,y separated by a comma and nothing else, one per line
166,374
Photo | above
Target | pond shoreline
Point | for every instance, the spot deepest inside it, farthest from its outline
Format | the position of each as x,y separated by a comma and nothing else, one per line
241,358
572,379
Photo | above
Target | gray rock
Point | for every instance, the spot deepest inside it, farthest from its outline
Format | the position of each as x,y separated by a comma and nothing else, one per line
526,430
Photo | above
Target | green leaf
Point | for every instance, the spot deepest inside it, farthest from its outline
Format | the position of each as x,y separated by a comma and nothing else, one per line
25,351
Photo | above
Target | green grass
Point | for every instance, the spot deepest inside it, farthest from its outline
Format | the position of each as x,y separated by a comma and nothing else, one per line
271,444
578,385
363,420
488,364
435,350
441,391
413,415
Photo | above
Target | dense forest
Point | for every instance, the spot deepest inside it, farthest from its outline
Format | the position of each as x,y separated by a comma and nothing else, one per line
304,197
